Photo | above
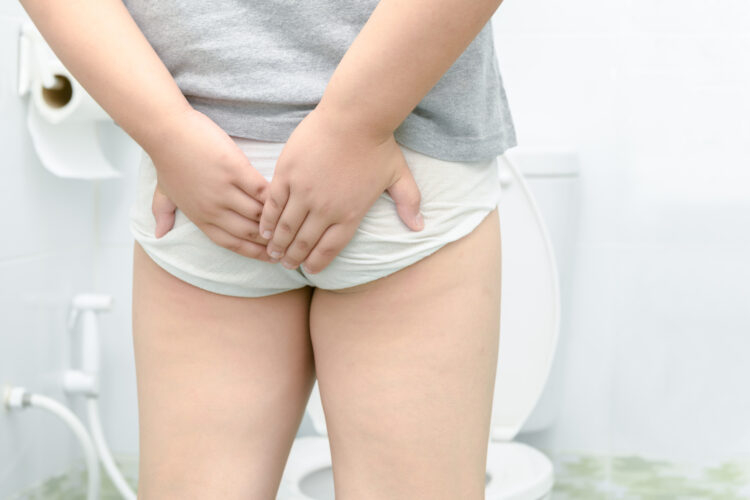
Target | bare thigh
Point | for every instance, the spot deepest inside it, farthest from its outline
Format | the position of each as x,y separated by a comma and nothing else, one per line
406,368
222,384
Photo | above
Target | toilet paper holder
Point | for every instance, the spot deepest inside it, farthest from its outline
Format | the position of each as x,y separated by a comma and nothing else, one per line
31,61
62,117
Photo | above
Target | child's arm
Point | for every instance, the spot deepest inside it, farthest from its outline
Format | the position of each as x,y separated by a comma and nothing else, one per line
398,56
200,168
101,45
344,153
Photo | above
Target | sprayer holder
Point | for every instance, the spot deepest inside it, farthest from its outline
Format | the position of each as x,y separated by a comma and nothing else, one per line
85,380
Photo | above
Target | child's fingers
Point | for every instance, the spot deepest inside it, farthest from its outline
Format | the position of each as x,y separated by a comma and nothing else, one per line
289,222
237,245
307,237
251,182
164,212
278,194
331,242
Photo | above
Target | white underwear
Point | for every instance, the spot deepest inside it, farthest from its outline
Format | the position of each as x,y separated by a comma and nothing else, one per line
456,197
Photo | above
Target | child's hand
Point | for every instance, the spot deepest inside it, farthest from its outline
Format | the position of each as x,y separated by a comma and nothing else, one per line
325,180
203,172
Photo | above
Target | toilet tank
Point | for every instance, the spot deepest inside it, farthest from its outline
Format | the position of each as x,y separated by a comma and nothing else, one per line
552,176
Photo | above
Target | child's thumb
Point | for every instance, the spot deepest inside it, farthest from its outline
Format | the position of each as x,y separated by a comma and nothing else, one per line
406,195
164,212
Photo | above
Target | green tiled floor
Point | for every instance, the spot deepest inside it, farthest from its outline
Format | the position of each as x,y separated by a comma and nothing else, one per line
601,477
577,477
72,485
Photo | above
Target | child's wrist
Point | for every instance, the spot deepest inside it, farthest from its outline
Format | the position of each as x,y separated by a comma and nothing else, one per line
154,132
351,120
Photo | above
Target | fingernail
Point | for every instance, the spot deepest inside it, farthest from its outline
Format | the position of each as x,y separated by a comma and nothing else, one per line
275,254
267,234
287,264
419,220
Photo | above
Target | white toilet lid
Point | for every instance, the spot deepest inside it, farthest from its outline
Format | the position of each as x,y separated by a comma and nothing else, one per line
529,318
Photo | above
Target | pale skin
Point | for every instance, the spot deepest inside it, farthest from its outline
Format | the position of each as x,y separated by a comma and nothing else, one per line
405,363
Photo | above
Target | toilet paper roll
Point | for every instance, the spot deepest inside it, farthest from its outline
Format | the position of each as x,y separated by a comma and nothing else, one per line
63,127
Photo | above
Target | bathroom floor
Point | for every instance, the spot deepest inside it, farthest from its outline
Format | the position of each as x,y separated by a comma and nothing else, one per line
602,477
577,477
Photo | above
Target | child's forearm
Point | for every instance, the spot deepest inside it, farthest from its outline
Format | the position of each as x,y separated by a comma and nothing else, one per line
398,56
101,45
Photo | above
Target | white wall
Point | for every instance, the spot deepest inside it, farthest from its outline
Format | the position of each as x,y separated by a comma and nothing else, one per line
654,95
46,253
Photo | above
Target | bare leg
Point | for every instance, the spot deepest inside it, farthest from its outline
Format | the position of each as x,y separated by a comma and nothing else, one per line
222,386
406,367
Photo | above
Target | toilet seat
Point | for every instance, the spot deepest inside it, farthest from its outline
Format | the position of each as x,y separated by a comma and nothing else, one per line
308,454
516,471
529,326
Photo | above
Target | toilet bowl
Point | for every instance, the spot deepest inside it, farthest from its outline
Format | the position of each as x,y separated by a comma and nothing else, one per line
529,325
514,471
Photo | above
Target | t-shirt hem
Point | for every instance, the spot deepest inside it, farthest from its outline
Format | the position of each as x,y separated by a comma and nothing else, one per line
461,149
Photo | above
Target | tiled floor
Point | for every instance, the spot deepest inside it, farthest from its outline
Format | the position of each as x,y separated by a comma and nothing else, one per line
601,477
72,486
577,477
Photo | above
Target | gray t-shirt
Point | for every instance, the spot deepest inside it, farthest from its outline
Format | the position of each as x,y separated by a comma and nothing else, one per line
256,68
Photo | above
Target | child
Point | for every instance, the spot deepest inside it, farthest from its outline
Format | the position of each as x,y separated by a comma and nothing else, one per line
331,124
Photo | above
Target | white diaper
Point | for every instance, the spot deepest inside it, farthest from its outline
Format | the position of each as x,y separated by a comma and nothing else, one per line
456,197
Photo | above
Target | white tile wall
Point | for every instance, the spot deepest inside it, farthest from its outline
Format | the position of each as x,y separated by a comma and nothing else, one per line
35,347
12,8
681,351
654,96
58,237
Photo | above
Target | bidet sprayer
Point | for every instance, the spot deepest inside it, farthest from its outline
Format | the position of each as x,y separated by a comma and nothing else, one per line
88,301
86,379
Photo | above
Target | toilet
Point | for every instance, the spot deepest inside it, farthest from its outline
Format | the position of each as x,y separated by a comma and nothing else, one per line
529,326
